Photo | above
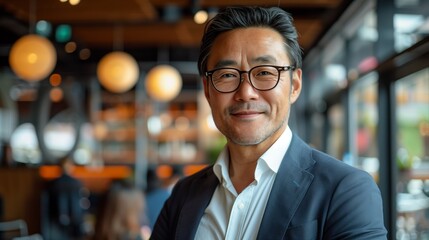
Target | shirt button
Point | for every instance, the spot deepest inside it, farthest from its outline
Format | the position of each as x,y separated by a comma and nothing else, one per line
241,205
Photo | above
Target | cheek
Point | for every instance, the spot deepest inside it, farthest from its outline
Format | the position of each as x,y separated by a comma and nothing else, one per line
216,103
279,101
281,93
217,113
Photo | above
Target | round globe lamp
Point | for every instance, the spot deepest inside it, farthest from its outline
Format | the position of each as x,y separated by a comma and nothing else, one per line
163,83
118,72
32,57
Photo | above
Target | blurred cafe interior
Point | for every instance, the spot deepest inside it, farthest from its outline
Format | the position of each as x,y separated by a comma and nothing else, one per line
114,87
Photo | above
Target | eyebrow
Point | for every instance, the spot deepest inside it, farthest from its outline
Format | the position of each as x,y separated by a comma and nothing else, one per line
264,59
225,63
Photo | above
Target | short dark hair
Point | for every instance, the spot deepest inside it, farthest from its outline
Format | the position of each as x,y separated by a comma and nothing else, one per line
243,17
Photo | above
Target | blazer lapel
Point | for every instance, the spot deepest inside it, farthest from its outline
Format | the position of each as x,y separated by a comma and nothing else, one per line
195,205
289,188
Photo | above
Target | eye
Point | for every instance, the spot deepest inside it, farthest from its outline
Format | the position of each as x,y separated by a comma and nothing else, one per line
264,71
225,74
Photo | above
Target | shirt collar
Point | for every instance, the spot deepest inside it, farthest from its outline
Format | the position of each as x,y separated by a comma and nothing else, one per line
221,166
272,158
274,155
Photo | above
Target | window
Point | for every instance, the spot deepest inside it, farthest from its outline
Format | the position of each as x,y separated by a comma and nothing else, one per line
411,22
412,155
363,124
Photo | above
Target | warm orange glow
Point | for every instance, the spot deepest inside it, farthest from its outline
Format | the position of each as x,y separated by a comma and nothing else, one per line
49,172
83,172
55,79
201,17
191,169
56,94
74,2
100,130
118,71
32,57
163,83
70,47
164,171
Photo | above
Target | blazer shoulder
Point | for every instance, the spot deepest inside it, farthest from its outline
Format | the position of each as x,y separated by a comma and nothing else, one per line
202,177
324,162
204,173
328,160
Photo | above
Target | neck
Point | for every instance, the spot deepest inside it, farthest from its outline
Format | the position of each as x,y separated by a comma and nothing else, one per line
243,160
242,165
242,174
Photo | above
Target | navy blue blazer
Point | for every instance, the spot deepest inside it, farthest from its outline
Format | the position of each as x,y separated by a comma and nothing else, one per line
314,196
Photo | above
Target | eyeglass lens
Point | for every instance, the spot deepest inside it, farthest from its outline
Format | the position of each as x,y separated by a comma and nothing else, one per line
261,78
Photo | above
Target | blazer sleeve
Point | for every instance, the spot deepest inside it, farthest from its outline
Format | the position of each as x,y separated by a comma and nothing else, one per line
356,210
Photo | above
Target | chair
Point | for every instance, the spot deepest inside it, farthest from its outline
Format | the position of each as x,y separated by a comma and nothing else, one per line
30,237
12,229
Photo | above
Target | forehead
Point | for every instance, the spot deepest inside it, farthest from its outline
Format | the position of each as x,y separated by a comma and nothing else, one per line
254,45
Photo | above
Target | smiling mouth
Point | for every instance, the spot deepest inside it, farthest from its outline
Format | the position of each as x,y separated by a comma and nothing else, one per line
245,113
246,110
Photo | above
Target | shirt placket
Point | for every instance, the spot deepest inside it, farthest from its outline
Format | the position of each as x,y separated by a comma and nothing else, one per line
239,214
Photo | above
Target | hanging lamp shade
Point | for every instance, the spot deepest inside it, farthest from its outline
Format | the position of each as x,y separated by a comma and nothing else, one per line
163,83
118,71
32,57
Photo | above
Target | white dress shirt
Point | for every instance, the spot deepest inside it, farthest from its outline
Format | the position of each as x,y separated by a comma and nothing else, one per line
235,216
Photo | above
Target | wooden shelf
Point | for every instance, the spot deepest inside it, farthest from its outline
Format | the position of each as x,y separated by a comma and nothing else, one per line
119,115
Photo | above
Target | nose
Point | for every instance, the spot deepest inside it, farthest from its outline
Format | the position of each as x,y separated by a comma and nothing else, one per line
246,91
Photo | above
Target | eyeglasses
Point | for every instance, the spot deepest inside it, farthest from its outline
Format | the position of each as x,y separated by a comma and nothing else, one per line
263,78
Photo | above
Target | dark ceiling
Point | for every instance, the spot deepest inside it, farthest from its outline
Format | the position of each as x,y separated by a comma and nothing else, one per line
150,30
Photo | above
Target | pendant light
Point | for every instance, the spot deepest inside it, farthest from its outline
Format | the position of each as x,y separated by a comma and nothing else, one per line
32,57
163,82
118,71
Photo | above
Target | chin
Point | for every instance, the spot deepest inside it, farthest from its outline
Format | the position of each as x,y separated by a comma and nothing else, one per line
247,141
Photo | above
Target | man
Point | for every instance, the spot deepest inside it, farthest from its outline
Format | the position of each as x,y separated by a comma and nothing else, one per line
267,183
66,217
158,190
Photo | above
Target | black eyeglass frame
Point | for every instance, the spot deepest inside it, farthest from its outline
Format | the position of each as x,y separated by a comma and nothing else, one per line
280,69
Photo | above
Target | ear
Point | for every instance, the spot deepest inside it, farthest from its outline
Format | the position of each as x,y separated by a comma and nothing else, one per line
296,85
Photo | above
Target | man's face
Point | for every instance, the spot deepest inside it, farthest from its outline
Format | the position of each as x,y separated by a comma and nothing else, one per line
249,116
